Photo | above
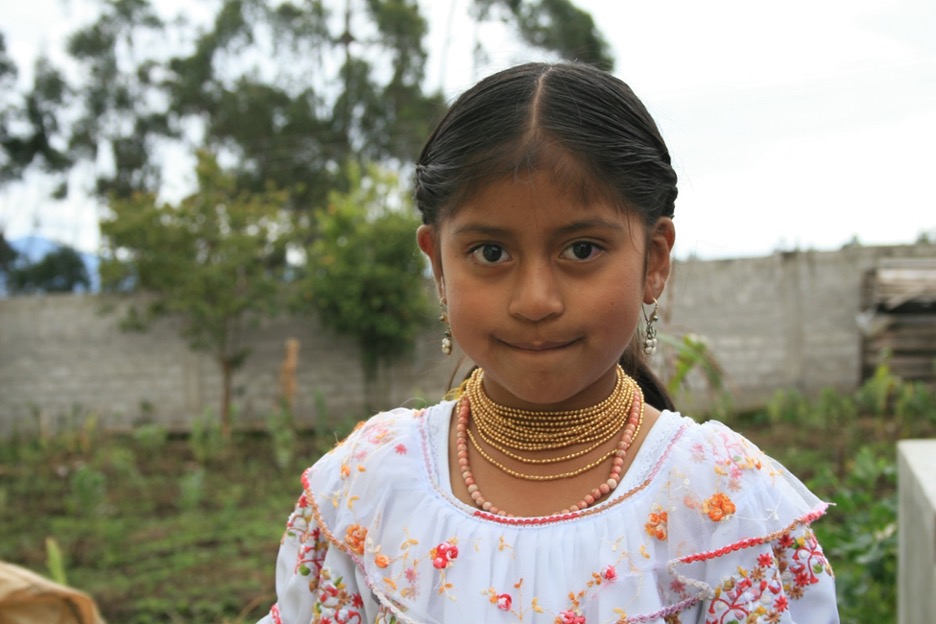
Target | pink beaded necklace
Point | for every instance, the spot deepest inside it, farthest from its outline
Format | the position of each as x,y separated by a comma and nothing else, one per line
628,435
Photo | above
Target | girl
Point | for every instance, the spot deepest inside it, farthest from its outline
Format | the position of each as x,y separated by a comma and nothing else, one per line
559,485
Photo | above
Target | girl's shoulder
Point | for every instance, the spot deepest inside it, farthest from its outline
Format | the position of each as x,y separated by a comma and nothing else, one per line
715,444
390,433
711,477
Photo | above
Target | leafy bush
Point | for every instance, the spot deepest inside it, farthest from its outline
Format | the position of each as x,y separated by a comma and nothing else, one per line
845,447
88,492
860,536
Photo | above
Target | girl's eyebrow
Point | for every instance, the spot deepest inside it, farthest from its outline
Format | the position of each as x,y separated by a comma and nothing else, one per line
480,228
594,223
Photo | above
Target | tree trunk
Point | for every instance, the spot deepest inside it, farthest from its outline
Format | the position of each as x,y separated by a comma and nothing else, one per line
227,374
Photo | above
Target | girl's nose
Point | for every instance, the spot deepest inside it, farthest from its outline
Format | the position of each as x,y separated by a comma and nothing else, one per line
536,294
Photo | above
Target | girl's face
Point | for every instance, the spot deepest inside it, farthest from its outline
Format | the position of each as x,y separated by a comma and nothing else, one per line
544,293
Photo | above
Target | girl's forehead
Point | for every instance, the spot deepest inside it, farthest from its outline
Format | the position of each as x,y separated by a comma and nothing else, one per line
524,208
539,192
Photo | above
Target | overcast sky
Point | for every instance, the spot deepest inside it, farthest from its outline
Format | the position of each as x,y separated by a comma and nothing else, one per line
796,125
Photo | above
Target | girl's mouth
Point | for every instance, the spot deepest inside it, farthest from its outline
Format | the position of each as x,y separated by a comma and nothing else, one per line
540,345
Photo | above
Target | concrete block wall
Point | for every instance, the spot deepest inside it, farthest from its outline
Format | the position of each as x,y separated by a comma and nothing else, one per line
61,357
786,321
783,321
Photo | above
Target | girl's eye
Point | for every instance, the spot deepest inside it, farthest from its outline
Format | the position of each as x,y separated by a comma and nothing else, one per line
581,250
489,254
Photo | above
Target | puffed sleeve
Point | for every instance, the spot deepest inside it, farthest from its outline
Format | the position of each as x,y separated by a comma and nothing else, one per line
315,582
784,581
319,570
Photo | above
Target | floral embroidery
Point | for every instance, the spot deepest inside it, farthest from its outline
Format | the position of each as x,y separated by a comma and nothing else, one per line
385,616
763,594
354,538
746,599
505,601
569,617
381,560
801,560
400,449
656,524
718,507
311,554
334,603
443,555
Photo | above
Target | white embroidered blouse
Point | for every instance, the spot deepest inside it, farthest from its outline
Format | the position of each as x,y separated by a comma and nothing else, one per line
703,528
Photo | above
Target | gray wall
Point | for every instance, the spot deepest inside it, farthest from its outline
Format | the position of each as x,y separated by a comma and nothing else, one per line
783,321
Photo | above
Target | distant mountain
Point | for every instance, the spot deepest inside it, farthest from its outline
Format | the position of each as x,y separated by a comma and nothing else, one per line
35,248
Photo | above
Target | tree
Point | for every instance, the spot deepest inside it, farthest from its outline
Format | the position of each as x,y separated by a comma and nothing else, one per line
365,274
554,25
121,104
30,132
285,91
8,254
62,270
215,261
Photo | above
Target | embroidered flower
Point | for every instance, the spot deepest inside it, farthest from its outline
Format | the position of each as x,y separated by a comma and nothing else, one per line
443,554
400,449
354,538
381,560
504,601
331,595
609,573
569,617
335,604
656,525
718,507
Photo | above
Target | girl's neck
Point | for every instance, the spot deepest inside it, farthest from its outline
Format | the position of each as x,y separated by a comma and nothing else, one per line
589,397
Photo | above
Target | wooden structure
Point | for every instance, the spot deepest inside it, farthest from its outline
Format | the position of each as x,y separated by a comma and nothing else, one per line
899,318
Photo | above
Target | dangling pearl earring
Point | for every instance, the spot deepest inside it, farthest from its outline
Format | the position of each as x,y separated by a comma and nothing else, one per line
447,336
650,332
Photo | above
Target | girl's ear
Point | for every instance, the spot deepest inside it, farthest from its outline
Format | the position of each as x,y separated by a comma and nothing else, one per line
660,245
429,244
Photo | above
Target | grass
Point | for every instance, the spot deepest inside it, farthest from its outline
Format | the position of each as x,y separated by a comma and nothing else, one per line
154,534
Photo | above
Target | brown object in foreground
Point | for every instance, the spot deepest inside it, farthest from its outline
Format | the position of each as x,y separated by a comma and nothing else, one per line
27,598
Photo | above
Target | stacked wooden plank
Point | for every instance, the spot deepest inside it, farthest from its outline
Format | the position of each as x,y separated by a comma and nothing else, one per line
899,318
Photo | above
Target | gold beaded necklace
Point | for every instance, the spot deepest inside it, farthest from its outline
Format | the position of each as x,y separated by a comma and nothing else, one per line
634,418
510,430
